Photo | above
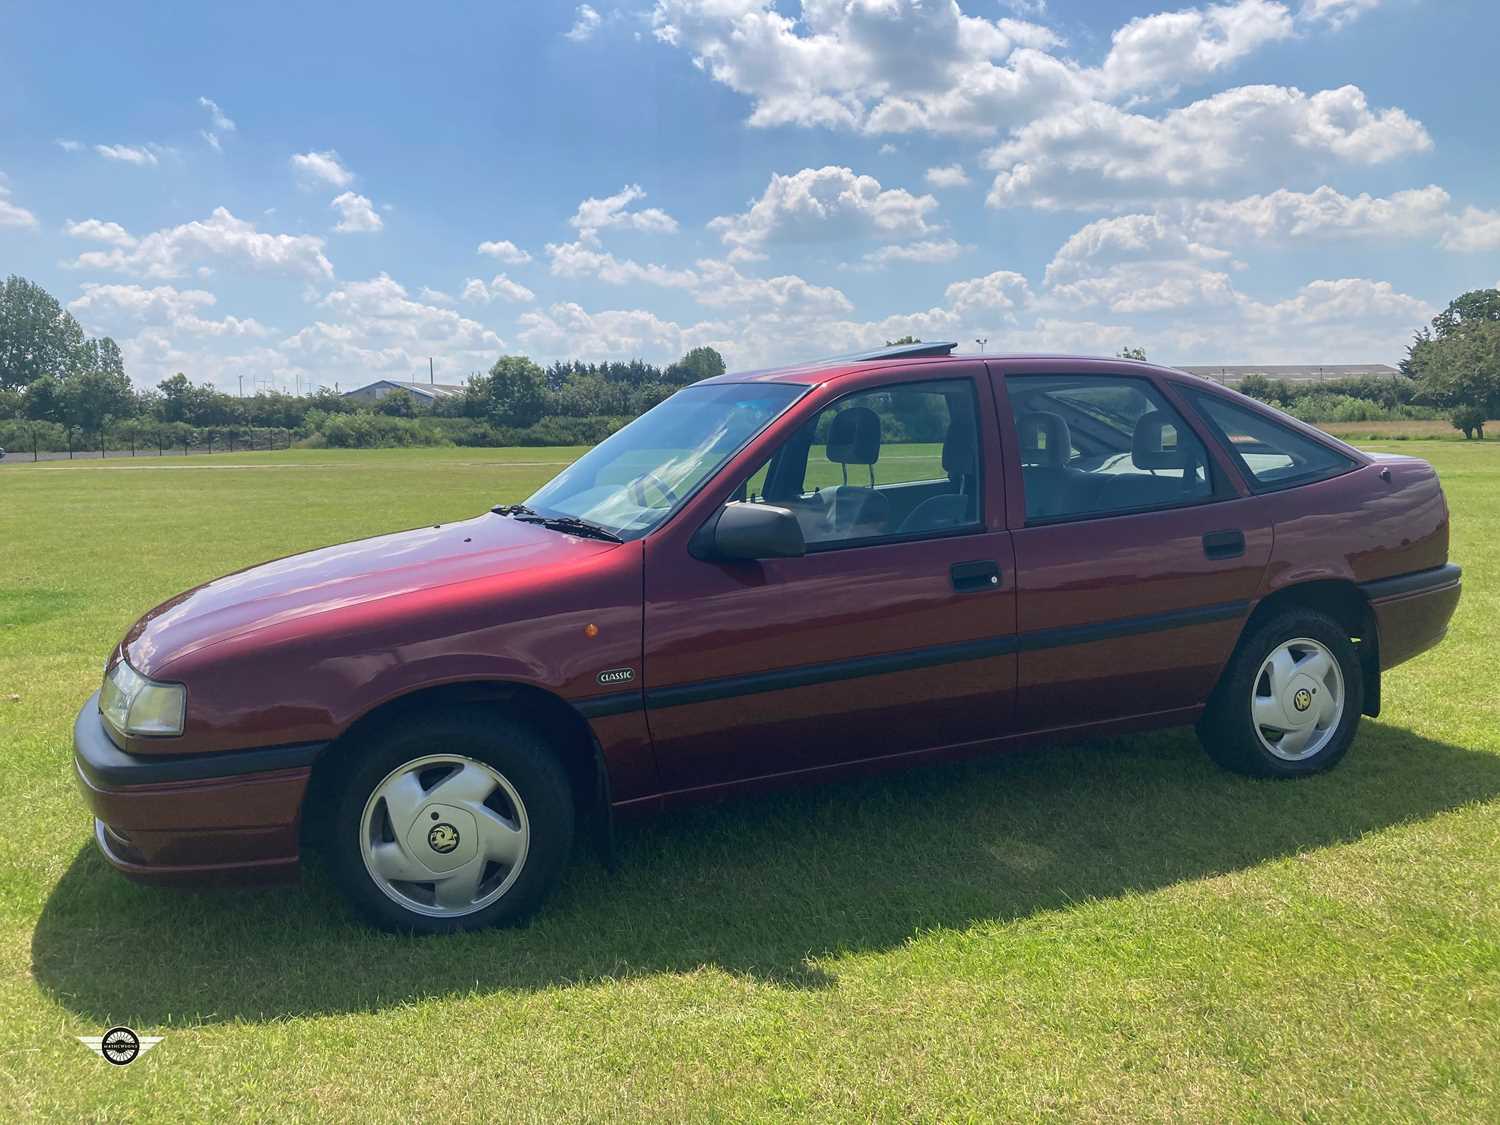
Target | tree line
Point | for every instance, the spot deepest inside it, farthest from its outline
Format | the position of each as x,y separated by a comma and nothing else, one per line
60,388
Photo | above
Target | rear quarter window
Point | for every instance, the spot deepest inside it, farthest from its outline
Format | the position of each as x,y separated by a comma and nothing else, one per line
1272,455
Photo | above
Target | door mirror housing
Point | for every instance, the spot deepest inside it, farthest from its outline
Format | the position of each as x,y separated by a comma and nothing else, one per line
745,532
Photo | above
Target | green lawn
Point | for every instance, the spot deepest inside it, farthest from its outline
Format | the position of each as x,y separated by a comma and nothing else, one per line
1110,931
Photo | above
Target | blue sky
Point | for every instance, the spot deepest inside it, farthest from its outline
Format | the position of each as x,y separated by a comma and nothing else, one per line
296,195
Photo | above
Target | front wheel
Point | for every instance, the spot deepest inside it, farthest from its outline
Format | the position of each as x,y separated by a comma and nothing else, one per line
452,822
1290,700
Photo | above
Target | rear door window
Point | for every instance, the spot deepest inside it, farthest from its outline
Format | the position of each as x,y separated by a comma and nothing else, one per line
1093,445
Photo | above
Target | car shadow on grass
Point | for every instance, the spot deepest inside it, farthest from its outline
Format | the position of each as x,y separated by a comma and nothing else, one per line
763,887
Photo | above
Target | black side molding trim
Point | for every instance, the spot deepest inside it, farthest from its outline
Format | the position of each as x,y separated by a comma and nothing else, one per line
1127,626
616,703
1417,582
102,763
731,687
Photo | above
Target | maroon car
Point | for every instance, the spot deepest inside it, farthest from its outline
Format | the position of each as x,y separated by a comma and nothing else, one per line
773,577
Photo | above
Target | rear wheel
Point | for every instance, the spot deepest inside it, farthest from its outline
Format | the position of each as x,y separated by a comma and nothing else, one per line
1290,700
452,822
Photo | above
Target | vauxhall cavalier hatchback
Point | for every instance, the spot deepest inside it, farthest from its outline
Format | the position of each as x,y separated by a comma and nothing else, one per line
770,578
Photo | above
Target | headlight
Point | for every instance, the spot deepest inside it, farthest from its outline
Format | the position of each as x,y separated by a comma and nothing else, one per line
133,704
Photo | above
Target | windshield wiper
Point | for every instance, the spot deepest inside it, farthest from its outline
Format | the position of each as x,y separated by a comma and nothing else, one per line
557,523
573,525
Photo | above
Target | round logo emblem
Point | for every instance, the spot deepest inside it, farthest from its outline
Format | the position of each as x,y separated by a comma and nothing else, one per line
120,1045
442,837
1302,700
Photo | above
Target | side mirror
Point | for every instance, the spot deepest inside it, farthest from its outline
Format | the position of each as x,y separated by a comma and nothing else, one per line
744,532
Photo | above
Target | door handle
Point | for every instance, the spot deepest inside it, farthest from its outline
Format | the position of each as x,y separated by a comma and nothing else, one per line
1224,544
969,577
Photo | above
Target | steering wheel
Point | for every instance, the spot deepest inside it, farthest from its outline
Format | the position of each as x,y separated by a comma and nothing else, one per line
637,490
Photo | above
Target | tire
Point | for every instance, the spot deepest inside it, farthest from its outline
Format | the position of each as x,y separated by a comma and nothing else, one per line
1259,696
484,801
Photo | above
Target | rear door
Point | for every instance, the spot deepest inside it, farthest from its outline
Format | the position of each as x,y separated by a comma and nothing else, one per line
1137,550
894,634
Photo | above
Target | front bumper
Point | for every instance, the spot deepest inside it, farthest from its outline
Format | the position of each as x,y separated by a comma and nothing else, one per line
192,818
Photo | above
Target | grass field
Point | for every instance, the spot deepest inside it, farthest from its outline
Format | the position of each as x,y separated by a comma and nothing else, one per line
1114,931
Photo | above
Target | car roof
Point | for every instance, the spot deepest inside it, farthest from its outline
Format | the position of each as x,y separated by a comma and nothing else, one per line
824,370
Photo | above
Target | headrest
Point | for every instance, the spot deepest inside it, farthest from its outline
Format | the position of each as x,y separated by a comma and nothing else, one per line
854,437
1045,439
1159,443
958,447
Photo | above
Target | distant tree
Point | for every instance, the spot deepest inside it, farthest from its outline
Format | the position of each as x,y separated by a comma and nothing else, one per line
43,400
1477,305
11,400
1133,353
1461,372
514,393
700,363
903,340
93,399
397,404
37,335
1456,361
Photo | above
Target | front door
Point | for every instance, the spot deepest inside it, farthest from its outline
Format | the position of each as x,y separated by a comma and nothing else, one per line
894,634
1138,557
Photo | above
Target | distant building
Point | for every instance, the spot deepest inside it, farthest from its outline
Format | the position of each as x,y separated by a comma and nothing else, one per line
1231,374
422,392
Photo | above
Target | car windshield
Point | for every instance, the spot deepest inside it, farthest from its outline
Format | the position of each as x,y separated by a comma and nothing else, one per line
636,478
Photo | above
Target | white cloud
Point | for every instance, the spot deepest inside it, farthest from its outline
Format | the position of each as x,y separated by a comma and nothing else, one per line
567,329
896,66
586,21
322,167
373,329
108,306
1474,230
69,145
1163,50
129,154
594,215
929,250
1348,299
13,214
873,65
356,214
220,238
1336,13
823,204
1207,230
499,288
1134,288
576,260
220,120
1001,291
505,251
947,176
720,285
1096,155
98,230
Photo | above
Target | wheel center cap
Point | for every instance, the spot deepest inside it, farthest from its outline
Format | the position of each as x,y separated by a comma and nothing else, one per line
443,836
1302,700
